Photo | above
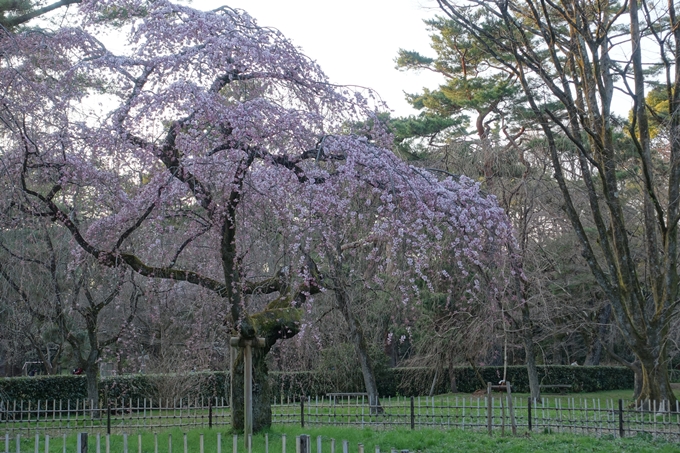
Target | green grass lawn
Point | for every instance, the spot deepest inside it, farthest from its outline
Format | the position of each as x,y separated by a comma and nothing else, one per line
430,441
390,431
583,410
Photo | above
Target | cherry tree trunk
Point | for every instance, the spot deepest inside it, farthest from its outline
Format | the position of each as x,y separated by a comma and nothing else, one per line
262,394
92,382
356,334
652,381
367,371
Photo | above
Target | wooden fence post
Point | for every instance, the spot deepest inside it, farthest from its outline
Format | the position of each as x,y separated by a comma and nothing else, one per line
302,411
621,418
489,408
511,408
210,414
303,444
82,443
529,412
108,417
413,416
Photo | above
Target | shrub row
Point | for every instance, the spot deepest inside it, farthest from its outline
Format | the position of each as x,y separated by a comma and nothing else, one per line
414,382
134,386
418,381
403,381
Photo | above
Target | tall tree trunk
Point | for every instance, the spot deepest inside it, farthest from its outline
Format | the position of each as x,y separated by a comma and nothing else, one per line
637,374
453,379
435,379
356,334
280,320
92,379
654,379
530,352
262,393
595,351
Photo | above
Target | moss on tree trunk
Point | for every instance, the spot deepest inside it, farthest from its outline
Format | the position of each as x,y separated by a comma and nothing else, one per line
278,321
652,382
262,394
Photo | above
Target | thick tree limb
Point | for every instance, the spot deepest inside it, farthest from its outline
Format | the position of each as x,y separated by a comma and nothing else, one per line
19,20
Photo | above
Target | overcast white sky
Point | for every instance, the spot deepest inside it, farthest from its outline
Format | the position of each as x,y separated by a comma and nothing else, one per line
354,41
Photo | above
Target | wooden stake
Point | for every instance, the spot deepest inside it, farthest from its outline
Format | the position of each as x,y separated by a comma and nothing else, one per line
247,390
489,407
512,410
247,346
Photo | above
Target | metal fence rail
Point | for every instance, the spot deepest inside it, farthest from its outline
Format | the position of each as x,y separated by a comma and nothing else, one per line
500,413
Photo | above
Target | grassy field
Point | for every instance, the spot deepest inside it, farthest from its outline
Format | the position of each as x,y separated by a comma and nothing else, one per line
560,424
430,441
580,412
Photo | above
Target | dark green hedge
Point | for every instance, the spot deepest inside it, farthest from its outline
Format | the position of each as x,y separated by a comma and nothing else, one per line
403,381
417,381
204,384
137,386
43,388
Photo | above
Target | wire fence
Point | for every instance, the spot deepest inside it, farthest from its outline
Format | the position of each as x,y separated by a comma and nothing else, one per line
495,413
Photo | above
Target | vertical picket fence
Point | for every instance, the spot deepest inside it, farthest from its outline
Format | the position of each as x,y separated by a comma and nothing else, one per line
493,413
122,443
118,415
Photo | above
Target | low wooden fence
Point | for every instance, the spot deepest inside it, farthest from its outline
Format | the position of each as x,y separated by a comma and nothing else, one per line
498,413
206,443
57,417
